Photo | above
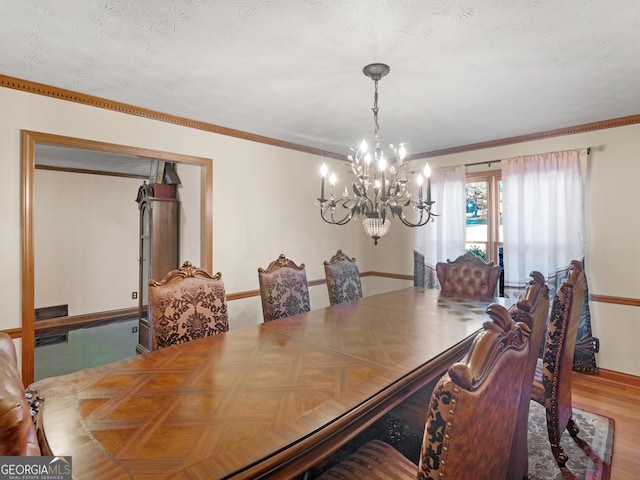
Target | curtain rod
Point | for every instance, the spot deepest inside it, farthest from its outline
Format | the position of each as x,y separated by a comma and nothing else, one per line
597,148
488,162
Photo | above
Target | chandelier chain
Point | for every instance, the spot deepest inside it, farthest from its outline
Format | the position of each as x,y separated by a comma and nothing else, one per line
376,131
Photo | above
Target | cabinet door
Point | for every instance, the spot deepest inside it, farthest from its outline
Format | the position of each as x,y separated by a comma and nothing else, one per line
144,326
158,256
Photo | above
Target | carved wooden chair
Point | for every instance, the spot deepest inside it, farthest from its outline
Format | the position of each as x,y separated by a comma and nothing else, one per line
343,279
532,309
468,276
471,415
283,289
187,304
17,431
552,382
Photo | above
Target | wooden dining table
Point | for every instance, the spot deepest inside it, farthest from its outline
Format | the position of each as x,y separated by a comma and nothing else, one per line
266,401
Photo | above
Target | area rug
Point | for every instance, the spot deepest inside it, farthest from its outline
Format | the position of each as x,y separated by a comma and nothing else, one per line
589,454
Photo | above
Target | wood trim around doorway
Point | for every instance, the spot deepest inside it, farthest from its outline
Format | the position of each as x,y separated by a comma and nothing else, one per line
29,141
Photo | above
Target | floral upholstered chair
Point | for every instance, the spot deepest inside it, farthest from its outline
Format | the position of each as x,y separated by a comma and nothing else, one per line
468,276
283,289
343,279
470,418
552,382
187,304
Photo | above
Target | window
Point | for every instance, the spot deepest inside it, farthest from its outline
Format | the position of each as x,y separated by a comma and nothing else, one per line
484,217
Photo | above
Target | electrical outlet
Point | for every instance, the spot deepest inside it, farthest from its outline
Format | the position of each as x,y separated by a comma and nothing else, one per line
134,295
134,329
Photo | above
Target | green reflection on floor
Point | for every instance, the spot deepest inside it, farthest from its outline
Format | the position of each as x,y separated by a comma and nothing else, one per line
87,347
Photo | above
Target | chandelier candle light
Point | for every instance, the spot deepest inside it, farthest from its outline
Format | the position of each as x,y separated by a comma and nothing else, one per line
381,192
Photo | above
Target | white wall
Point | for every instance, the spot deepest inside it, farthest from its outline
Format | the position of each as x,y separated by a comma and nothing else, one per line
263,205
85,241
189,192
263,196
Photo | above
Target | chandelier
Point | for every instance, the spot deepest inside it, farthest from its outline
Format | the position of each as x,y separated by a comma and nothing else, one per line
380,188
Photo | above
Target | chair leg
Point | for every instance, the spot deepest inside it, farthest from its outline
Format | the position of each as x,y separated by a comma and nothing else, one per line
573,428
559,454
555,434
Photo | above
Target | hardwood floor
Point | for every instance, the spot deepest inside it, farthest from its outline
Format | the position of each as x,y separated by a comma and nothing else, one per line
605,395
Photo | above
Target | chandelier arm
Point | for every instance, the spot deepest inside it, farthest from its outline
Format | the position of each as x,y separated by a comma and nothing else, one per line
422,221
332,221
343,221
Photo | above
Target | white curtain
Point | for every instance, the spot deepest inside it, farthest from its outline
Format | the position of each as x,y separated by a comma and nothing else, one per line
445,237
543,216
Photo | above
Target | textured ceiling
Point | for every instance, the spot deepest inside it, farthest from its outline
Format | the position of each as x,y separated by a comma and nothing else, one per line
79,159
462,71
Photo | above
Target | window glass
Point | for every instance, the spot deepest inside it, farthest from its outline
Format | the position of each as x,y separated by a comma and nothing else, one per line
484,234
477,210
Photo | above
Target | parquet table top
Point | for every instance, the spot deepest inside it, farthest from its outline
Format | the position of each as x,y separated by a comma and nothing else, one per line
261,401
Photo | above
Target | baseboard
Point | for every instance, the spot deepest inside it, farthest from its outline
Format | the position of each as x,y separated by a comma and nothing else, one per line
612,376
13,332
398,276
319,281
61,324
632,302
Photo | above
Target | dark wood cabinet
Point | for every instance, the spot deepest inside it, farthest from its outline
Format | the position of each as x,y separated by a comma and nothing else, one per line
158,251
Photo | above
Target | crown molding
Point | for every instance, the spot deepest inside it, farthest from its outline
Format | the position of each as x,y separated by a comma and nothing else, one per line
71,96
559,132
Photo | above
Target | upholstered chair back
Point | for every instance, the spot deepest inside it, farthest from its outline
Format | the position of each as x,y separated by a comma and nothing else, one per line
468,276
552,383
17,431
533,309
283,289
470,417
187,304
343,279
